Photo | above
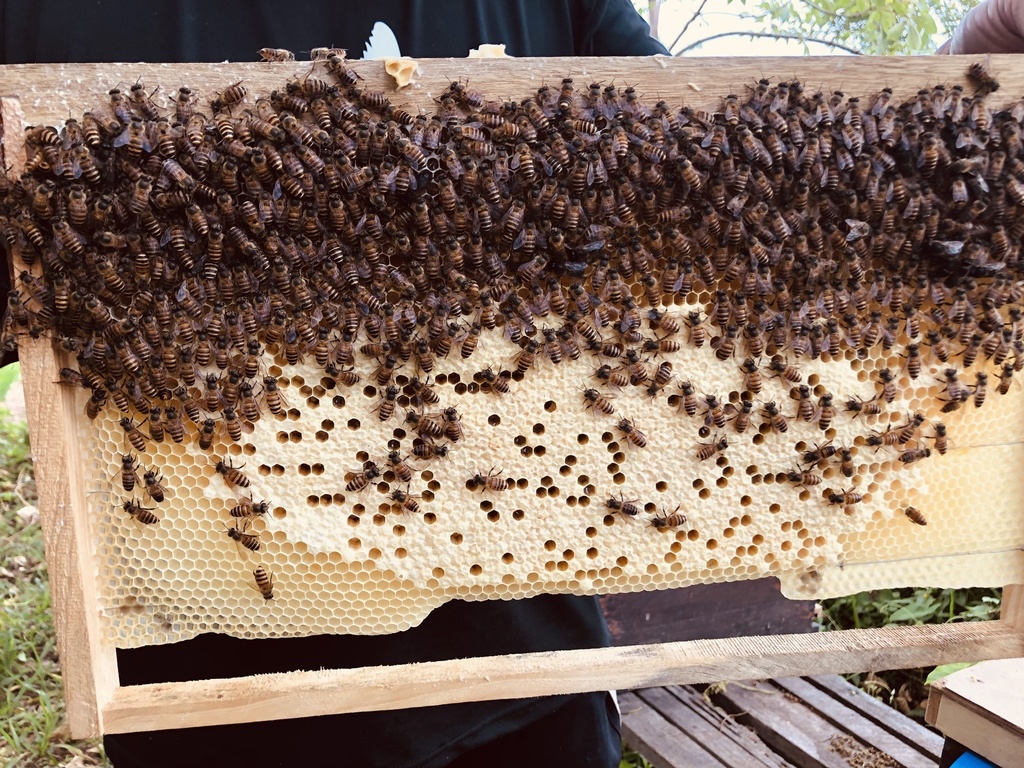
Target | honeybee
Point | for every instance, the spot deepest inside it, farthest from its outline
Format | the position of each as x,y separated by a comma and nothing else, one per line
129,472
819,452
876,440
207,432
980,389
714,413
668,520
846,498
774,417
386,406
247,507
598,402
915,454
706,450
407,501
400,467
272,396
363,478
740,416
857,407
453,429
631,434
1005,379
906,432
154,485
142,514
695,329
915,516
428,449
156,427
229,97
264,582
688,398
250,541
622,506
826,412
134,435
803,478
495,382
752,380
781,368
846,465
888,381
275,54
232,475
492,481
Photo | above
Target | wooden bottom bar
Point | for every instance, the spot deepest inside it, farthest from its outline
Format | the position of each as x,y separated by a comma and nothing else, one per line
306,694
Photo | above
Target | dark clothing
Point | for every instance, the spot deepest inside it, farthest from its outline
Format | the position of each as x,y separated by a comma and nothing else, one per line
233,30
428,736
566,731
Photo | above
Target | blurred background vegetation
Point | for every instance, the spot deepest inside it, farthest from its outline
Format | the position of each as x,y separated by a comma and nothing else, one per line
872,27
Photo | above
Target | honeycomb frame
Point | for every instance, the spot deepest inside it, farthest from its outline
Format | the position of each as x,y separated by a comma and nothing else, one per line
812,586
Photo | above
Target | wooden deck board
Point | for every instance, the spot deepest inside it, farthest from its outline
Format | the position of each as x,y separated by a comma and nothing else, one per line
852,722
785,723
782,722
660,741
871,708
731,743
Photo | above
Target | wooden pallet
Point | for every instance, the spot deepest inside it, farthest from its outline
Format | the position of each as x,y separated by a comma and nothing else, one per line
96,703
808,722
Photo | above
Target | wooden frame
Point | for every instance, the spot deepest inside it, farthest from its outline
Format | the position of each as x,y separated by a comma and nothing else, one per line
96,703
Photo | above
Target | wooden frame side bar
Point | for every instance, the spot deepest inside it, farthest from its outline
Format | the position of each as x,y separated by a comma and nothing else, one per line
307,694
88,666
1012,607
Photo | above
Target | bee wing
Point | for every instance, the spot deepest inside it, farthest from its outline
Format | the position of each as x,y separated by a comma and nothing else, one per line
519,241
66,162
124,137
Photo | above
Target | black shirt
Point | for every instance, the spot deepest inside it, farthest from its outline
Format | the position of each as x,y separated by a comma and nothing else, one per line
217,30
233,30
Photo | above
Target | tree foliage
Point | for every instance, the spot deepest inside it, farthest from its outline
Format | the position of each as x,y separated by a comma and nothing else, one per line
856,26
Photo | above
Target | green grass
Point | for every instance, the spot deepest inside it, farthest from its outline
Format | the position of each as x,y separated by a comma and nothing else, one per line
33,732
632,759
905,689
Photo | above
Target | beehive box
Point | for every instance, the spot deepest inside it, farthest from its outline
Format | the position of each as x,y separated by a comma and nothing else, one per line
346,556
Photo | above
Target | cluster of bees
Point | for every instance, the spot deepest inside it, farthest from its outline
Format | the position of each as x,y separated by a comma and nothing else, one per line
169,249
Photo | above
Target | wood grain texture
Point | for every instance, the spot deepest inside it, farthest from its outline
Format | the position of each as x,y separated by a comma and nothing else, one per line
88,667
305,694
790,729
688,711
50,91
1012,606
861,728
662,742
981,708
874,710
993,687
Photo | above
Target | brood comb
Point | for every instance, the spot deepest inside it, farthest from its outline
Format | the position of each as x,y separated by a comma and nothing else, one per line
341,363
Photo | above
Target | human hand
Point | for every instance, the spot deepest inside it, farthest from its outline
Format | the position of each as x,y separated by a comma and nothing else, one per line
994,26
